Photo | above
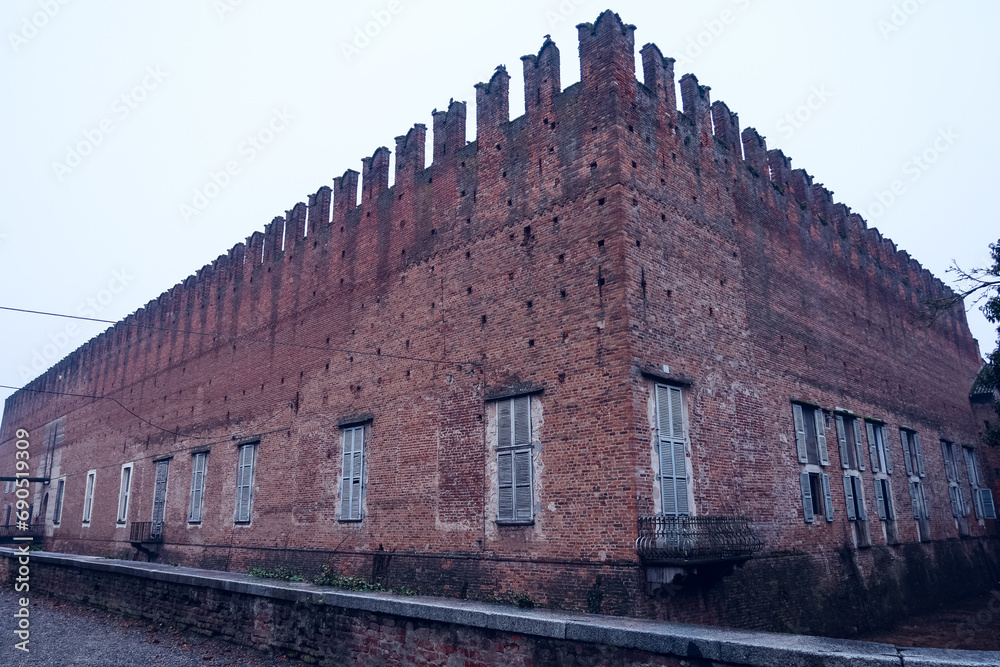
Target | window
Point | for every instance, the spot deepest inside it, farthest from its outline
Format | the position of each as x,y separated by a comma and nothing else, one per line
857,514
982,498
816,499
913,458
198,462
159,497
849,440
672,451
878,447
244,482
123,493
352,474
958,507
88,496
515,497
57,512
810,435
921,510
886,511
9,508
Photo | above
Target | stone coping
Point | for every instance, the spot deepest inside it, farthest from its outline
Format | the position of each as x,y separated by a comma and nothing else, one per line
742,647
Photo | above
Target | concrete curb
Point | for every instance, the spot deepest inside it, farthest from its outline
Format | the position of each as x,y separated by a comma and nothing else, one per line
742,647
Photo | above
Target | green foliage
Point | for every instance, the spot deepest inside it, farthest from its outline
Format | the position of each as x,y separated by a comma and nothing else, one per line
329,578
282,573
511,599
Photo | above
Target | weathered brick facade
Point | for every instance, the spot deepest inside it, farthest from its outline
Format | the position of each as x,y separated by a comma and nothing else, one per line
601,243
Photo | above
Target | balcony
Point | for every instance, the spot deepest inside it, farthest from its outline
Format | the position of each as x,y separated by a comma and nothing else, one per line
695,540
145,532
35,531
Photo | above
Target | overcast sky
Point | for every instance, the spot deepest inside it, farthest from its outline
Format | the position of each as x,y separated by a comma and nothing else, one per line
118,113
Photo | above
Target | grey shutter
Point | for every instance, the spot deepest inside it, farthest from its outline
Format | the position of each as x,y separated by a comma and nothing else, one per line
57,514
989,509
346,475
860,498
970,465
884,440
245,482
904,437
827,498
915,500
859,444
503,424
505,479
872,450
948,468
926,506
358,471
915,443
852,514
824,453
159,497
977,501
807,501
956,504
521,407
197,487
880,500
800,433
890,508
123,494
522,485
672,451
845,459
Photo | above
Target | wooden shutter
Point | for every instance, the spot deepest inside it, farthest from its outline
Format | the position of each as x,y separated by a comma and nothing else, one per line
915,443
904,437
521,408
123,494
956,503
800,433
197,487
505,479
807,501
949,470
880,500
503,424
859,444
989,509
925,506
852,514
522,485
672,451
824,453
883,435
845,459
160,496
915,500
88,498
872,448
352,474
859,497
827,498
357,471
245,482
57,514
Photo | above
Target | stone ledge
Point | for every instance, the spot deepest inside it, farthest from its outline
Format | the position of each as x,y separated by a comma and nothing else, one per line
742,647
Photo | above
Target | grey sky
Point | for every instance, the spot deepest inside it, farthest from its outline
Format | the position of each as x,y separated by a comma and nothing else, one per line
873,83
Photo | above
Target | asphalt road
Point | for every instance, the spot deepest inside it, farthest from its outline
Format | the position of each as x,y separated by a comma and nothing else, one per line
65,635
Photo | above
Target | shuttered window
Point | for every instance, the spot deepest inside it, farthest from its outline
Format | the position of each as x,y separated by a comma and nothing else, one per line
671,451
198,464
849,442
57,514
982,498
878,447
124,492
88,497
515,500
352,474
810,435
244,482
159,497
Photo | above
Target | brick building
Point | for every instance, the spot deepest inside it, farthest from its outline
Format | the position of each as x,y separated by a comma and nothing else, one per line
614,354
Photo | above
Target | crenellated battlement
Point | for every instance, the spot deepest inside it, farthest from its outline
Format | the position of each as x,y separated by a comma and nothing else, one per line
569,141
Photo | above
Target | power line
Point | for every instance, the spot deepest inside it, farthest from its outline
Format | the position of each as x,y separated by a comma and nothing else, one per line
241,339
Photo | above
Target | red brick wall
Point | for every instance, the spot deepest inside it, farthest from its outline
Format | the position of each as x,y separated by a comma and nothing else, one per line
601,233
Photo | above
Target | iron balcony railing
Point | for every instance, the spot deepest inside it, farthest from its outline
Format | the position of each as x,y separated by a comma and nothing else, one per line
693,540
35,531
145,532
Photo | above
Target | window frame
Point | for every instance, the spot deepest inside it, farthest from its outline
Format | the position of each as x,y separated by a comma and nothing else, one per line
57,510
88,496
678,441
353,477
244,482
125,492
519,452
197,487
810,434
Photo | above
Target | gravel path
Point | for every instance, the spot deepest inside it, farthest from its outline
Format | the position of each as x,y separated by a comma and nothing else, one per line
65,635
